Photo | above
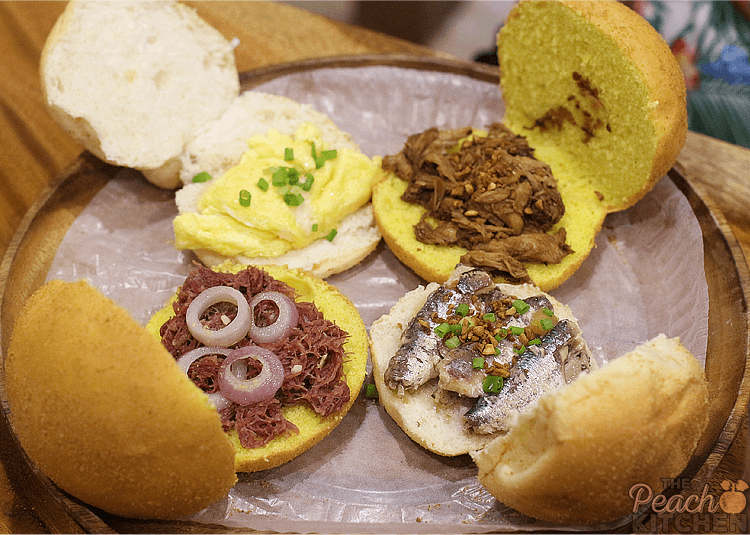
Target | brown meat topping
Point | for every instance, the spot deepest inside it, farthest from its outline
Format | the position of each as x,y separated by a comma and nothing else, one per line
312,355
490,196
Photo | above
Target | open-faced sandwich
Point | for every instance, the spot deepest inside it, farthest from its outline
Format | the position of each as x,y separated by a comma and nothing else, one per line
595,115
112,417
503,373
276,182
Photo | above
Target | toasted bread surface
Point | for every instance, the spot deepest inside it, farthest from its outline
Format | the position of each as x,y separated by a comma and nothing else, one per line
574,457
106,414
312,427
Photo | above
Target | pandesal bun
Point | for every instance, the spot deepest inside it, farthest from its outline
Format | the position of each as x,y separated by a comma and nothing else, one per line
598,95
220,146
573,458
312,427
103,410
133,82
424,420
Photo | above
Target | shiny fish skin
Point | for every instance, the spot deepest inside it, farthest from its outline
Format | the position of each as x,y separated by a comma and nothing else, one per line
538,370
416,360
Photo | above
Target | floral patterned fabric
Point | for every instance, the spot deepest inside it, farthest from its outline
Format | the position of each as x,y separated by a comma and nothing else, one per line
710,40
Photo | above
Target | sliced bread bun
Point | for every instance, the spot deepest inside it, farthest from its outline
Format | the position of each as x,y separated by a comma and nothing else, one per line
427,422
599,97
221,145
103,410
574,457
134,81
312,427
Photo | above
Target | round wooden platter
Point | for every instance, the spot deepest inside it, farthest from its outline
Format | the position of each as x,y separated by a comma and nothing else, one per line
32,250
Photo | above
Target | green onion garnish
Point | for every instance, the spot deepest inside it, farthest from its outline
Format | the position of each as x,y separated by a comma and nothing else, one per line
293,199
462,309
501,334
546,324
519,350
442,329
263,184
453,342
535,342
315,227
371,391
492,384
245,198
307,184
202,177
548,312
288,154
516,330
321,159
521,306
284,175
477,363
331,235
489,317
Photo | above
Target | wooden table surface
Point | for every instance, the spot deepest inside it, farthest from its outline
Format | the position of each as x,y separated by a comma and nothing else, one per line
34,150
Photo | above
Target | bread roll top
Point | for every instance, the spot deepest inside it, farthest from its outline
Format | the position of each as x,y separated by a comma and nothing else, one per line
103,410
597,92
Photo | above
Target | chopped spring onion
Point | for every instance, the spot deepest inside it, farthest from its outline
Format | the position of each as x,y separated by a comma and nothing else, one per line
315,227
245,198
548,312
546,324
288,154
501,334
320,159
477,363
462,309
521,306
535,342
293,199
201,177
442,329
284,175
371,391
489,317
307,184
331,235
263,184
492,384
519,350
516,330
453,342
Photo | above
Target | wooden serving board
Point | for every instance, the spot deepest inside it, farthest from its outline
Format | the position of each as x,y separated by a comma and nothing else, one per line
30,254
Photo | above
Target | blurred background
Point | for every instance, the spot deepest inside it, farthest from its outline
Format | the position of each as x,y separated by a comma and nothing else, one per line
709,38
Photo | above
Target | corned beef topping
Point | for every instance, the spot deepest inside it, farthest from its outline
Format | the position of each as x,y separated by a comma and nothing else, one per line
312,355
487,194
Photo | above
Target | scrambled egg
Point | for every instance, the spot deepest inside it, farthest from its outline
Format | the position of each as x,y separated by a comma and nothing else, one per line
286,192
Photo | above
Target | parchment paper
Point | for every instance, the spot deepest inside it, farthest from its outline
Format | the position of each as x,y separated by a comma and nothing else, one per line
644,277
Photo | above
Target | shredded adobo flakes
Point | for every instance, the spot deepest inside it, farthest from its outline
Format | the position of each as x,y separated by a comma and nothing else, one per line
316,346
487,194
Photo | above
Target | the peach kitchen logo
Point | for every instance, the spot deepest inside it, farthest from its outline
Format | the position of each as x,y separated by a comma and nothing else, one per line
685,512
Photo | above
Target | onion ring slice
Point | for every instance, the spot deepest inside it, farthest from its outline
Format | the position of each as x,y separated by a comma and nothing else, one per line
186,360
262,387
235,331
287,320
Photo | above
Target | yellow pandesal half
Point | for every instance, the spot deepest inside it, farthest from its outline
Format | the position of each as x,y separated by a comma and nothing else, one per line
598,95
312,427
105,412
